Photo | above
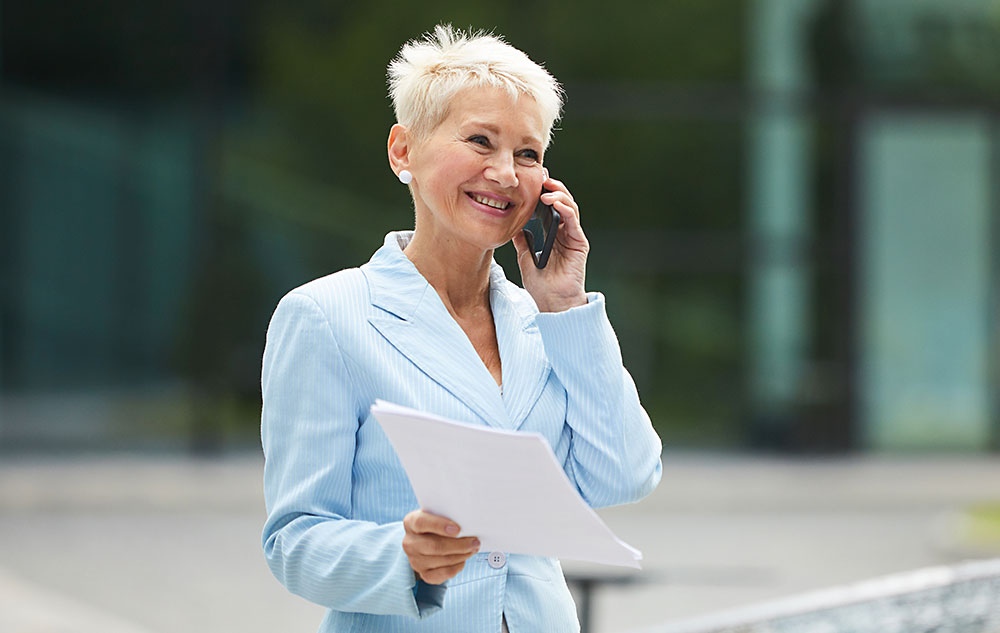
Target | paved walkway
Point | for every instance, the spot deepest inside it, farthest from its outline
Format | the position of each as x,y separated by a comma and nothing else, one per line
171,545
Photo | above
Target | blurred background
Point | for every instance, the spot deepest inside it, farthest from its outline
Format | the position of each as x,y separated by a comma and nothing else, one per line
793,208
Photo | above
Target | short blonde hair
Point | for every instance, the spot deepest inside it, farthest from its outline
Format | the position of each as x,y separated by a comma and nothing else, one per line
427,73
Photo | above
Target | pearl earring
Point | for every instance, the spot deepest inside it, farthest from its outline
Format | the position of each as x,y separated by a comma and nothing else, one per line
405,177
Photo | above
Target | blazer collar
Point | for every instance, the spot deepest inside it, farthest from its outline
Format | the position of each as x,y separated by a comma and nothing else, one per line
395,284
416,322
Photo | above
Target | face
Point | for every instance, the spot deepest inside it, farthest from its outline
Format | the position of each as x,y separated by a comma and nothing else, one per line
478,175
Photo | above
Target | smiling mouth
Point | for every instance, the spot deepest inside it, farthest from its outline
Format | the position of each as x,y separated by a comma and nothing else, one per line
490,202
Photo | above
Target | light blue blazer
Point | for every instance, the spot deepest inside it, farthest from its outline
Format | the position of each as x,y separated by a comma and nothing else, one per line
336,493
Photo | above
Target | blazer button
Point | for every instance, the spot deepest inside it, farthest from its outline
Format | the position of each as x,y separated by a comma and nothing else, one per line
496,559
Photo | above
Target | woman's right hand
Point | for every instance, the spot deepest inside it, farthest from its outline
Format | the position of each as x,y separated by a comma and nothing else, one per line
431,545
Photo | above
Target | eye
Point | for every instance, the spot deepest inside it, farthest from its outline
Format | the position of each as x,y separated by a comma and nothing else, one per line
529,154
479,139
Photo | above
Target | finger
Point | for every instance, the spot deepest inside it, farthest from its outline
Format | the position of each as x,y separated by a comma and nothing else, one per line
438,576
421,522
554,185
562,198
444,562
568,214
562,206
422,564
571,228
434,545
559,196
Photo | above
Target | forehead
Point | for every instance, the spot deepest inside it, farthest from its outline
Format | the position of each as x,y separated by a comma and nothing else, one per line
519,118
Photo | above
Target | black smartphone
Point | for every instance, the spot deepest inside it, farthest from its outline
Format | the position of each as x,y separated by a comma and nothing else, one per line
540,232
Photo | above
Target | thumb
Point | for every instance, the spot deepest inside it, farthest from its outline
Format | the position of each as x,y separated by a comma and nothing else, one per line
520,245
524,260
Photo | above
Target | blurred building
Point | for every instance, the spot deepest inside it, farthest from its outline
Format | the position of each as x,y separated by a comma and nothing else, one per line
822,276
901,99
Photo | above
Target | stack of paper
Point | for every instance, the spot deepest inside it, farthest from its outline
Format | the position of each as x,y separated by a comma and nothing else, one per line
504,487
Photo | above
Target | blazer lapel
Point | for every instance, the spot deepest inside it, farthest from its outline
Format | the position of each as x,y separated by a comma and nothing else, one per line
522,354
417,324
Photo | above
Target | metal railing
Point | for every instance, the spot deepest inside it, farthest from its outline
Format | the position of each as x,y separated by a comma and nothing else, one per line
962,598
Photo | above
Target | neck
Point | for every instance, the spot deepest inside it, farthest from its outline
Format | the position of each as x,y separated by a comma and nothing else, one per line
458,272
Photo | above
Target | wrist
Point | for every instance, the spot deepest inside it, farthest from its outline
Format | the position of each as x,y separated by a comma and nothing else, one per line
563,304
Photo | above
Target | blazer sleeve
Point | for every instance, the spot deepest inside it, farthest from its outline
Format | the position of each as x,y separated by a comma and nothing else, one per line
309,418
614,454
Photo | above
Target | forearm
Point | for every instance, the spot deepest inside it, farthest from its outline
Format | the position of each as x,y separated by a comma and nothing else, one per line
353,566
614,455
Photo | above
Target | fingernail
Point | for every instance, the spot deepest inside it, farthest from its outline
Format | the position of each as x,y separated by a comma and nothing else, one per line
451,529
475,544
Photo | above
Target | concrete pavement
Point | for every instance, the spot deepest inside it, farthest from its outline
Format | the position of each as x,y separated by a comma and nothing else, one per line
164,544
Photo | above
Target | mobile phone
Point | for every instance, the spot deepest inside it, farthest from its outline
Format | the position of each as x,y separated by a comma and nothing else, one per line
540,232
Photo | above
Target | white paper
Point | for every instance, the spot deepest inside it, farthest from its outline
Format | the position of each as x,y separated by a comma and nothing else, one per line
504,487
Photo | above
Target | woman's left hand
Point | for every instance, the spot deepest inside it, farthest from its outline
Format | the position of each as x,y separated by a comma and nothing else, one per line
560,285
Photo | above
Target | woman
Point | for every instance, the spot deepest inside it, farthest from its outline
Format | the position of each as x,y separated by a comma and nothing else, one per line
431,322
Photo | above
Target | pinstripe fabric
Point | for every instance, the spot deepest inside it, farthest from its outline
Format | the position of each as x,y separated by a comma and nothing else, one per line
335,490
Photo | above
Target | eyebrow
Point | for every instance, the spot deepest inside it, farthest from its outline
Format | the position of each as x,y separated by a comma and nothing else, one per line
492,128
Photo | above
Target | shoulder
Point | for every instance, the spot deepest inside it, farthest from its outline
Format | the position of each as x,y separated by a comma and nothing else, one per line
339,297
347,286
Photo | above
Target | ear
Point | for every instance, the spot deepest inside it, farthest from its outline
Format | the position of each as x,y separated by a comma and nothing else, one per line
399,147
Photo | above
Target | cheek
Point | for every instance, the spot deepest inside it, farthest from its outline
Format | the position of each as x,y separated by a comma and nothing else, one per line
450,171
530,200
532,185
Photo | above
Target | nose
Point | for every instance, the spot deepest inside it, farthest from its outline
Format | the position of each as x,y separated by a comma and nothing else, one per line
502,171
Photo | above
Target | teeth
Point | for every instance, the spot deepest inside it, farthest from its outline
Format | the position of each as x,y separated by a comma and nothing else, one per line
496,204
